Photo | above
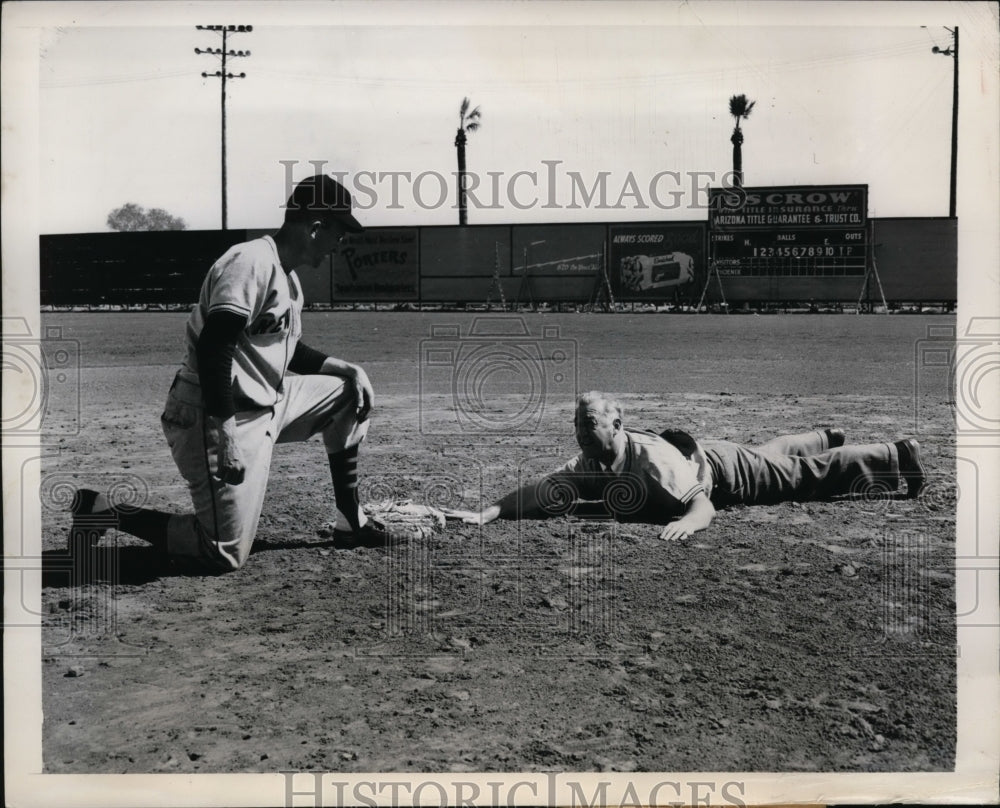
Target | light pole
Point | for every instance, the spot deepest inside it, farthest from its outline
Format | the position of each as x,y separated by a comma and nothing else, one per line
952,52
223,74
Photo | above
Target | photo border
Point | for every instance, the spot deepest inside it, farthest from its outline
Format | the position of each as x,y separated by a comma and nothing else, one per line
978,748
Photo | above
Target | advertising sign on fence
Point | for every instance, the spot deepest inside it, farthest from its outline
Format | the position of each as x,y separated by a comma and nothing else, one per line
818,230
558,250
378,265
657,262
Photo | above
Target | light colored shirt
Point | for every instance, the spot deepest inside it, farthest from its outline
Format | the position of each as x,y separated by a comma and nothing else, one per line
651,474
250,281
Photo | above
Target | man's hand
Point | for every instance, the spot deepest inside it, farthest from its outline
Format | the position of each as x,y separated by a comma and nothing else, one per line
356,375
675,531
363,390
472,517
698,516
232,468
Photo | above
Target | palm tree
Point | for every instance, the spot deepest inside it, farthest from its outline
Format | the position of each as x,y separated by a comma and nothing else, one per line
739,109
467,122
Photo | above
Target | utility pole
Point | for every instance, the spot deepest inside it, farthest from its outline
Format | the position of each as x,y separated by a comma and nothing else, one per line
224,74
952,52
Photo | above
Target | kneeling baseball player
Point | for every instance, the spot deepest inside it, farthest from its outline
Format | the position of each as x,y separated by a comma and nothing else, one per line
644,477
233,399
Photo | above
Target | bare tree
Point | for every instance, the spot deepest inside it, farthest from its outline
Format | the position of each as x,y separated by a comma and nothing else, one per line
467,122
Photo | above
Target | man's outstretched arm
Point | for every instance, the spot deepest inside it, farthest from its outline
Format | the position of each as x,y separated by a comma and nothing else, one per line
521,503
527,502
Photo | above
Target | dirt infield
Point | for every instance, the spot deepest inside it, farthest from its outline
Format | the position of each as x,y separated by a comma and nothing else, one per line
795,637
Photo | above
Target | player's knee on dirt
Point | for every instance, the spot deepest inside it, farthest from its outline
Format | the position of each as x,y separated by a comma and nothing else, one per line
191,545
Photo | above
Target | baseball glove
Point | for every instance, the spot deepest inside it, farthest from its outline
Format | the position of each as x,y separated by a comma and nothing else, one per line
405,516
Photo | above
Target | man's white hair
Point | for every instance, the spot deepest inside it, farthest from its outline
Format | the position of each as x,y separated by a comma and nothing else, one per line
601,402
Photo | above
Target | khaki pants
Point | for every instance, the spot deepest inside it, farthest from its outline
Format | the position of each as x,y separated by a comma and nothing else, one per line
797,468
221,531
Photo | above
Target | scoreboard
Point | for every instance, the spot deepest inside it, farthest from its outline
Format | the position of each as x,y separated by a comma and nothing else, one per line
789,230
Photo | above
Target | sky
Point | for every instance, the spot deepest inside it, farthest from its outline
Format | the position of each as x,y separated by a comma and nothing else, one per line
125,115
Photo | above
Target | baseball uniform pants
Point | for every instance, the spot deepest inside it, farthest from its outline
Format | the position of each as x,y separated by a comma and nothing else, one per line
797,468
219,534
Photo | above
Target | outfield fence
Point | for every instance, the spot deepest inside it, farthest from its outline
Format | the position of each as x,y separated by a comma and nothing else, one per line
659,264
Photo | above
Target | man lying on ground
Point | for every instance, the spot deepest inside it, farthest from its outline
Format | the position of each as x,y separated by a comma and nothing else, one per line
671,477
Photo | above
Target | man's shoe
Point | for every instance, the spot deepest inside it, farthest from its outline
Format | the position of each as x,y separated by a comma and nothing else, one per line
89,524
835,437
372,534
911,468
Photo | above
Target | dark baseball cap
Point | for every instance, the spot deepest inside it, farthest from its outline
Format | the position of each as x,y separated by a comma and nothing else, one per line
323,195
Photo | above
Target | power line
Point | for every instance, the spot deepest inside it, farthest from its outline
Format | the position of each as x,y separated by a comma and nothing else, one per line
224,74
97,81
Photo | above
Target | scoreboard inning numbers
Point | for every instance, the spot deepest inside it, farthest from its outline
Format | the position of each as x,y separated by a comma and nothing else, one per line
789,231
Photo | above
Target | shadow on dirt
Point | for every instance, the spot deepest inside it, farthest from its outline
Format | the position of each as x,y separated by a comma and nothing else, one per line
114,565
271,546
134,566
327,544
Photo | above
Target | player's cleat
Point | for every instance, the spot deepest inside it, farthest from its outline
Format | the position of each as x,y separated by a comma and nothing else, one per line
835,437
89,522
372,534
911,468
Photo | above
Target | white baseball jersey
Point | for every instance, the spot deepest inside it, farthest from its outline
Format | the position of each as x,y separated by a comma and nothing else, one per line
669,480
250,281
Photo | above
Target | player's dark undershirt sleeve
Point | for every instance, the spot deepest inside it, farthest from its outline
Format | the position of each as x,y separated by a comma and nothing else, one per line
216,346
306,360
